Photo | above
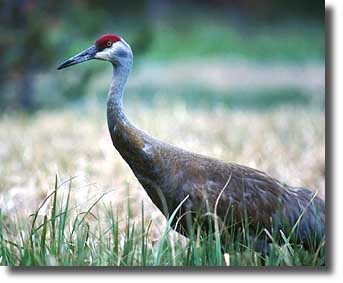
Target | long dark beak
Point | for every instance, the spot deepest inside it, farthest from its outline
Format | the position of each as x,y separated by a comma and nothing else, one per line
85,55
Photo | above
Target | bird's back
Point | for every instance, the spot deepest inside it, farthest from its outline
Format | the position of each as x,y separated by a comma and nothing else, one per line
233,192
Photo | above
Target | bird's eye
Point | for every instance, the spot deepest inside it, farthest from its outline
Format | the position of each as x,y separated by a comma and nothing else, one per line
108,43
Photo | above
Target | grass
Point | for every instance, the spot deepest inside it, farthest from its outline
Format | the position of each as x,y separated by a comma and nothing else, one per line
254,96
103,217
261,100
65,238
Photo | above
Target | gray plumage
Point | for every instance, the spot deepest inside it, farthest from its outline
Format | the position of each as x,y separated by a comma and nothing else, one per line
170,174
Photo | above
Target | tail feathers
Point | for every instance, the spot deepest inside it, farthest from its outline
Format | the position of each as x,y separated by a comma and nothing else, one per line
302,224
308,218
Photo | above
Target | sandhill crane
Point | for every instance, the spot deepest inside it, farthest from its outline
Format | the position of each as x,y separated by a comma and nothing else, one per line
170,174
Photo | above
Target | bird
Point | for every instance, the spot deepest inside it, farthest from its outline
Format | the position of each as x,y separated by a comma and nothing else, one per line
200,189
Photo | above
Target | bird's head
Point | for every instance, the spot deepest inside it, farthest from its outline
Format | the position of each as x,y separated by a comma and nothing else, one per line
108,47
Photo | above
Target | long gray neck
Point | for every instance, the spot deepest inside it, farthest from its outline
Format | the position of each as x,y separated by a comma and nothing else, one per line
131,143
115,110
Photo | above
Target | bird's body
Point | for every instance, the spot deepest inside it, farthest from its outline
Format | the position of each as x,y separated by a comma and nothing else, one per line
170,175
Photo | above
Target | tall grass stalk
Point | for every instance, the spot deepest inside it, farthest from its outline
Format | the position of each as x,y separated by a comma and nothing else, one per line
66,237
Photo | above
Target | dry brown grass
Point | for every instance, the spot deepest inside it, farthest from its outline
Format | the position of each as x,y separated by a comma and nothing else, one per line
288,144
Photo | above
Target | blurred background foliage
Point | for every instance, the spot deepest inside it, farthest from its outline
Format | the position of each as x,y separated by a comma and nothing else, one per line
35,35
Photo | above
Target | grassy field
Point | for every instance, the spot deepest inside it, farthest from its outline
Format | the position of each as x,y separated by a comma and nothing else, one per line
102,216
231,89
